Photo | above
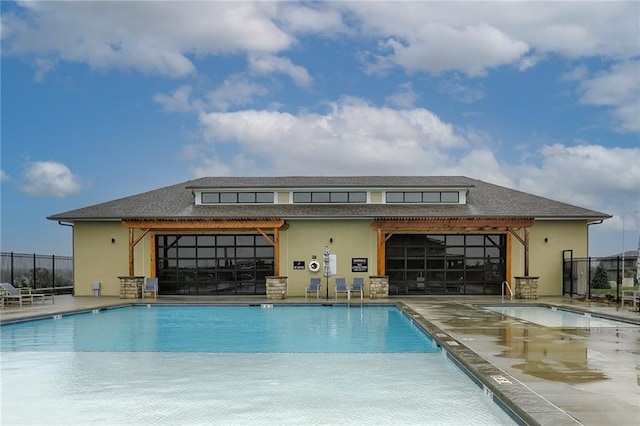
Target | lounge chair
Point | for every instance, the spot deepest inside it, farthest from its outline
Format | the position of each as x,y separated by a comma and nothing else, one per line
150,286
357,286
631,296
22,296
314,287
341,287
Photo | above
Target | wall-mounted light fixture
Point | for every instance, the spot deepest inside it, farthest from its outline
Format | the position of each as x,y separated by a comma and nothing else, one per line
113,240
331,239
546,239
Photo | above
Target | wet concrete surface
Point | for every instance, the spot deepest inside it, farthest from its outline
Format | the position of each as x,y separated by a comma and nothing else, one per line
556,375
591,374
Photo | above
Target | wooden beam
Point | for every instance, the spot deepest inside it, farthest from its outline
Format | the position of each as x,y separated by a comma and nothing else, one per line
526,252
180,224
276,252
515,234
132,244
451,223
131,252
153,271
525,243
381,267
267,237
508,265
141,236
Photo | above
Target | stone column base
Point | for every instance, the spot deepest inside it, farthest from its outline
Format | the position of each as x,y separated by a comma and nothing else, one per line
526,287
131,287
379,287
276,287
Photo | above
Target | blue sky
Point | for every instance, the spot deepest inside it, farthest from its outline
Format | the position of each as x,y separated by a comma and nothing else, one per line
102,100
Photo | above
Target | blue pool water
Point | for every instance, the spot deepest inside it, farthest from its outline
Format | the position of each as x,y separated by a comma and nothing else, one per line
223,329
285,365
558,318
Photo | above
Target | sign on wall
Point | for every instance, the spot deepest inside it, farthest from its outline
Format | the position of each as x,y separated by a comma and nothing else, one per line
359,264
298,265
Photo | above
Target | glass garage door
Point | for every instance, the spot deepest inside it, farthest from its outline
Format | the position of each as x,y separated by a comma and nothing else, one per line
213,264
446,264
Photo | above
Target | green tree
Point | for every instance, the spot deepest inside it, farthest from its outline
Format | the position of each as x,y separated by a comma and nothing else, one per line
600,277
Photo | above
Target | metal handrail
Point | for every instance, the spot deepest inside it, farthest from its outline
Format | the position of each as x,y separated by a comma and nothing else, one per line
504,283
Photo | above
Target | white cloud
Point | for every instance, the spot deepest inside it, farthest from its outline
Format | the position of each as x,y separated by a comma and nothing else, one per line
618,88
483,35
405,97
587,175
529,61
216,166
472,37
355,137
4,176
312,18
576,74
234,91
49,178
437,47
461,92
269,64
178,101
352,137
43,66
151,37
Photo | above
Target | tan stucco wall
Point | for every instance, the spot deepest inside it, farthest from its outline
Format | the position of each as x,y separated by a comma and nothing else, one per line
375,197
96,258
303,239
545,259
282,197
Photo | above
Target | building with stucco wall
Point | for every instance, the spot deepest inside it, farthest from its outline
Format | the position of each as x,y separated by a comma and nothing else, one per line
430,235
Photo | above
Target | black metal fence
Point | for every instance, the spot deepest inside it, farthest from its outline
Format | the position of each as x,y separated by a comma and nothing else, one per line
37,271
597,277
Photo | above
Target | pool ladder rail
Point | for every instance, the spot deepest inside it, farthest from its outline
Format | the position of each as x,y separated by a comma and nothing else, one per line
506,284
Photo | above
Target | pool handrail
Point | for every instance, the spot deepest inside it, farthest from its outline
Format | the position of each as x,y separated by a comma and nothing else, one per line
505,283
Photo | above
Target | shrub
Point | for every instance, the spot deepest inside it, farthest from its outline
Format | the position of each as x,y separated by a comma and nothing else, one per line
600,277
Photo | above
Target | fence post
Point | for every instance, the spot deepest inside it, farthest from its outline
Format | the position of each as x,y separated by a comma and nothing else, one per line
618,280
589,278
53,273
12,280
35,284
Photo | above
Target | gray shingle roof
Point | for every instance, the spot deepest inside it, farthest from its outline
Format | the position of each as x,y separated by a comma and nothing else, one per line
177,202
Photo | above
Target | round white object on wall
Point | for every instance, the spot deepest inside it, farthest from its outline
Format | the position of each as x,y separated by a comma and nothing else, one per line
314,266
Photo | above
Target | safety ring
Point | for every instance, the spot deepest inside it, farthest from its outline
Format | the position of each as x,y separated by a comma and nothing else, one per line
314,266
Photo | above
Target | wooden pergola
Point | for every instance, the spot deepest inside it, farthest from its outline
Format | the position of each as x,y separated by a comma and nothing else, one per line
387,227
204,226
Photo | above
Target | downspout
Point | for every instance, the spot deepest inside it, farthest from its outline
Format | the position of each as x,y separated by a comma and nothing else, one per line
73,251
589,258
588,225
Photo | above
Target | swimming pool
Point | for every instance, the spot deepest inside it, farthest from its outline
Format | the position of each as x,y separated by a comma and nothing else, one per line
554,317
234,365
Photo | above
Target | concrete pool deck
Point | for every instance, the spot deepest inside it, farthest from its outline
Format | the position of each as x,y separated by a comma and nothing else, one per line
552,375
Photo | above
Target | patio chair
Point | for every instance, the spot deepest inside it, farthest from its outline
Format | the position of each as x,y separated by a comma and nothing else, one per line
150,286
631,296
22,296
341,287
314,287
357,286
